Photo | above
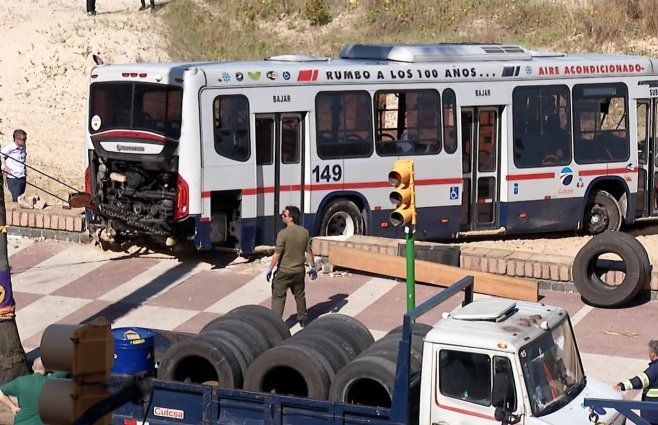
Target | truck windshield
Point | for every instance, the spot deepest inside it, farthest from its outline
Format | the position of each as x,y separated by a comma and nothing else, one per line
135,106
552,370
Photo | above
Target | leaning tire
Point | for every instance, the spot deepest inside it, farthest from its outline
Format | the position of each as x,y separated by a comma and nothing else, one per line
342,217
587,275
602,214
199,360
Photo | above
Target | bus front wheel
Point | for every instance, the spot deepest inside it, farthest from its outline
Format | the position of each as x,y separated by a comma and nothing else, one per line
342,218
602,213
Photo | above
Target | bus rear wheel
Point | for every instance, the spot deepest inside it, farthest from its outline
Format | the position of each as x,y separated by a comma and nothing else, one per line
342,218
602,213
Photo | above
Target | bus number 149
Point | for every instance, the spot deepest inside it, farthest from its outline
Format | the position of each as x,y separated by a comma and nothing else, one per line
328,173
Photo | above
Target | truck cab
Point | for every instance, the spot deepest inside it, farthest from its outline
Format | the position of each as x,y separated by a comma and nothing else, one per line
502,361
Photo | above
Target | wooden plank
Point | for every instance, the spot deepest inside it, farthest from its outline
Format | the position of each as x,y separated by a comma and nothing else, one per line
433,273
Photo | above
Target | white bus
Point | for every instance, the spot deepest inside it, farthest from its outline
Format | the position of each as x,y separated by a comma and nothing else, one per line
505,140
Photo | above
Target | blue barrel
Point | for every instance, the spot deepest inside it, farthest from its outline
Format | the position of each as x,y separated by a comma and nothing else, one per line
133,351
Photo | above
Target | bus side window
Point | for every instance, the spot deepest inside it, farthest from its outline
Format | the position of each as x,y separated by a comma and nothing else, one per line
601,123
408,122
541,126
343,122
231,127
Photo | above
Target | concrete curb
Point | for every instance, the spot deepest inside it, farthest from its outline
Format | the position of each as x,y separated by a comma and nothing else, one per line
58,235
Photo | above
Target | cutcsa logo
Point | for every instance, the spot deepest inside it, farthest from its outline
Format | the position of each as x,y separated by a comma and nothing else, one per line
566,176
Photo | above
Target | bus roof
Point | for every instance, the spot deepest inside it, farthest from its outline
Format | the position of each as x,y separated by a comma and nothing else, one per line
395,63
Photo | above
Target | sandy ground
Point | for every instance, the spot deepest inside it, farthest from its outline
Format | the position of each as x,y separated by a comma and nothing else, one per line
45,58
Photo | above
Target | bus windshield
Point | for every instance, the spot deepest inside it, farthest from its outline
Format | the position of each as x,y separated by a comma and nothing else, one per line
552,370
136,106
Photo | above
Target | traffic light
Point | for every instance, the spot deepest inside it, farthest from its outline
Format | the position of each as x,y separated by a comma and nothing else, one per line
403,196
86,351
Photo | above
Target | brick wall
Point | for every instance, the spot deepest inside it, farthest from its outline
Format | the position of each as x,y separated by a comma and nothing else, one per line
51,218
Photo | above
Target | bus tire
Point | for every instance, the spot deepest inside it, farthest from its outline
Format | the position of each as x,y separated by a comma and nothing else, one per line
342,217
587,278
602,213
366,380
350,329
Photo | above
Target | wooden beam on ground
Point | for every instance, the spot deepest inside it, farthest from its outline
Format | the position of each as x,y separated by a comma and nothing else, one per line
433,273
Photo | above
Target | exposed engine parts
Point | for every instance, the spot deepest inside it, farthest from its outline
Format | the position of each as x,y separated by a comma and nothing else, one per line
131,198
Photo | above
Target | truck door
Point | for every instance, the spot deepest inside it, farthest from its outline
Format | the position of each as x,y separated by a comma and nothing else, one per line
279,168
646,201
480,152
464,392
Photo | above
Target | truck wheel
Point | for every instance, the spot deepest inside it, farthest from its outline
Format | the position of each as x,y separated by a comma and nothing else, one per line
200,360
348,327
602,213
261,317
342,217
587,272
291,370
366,380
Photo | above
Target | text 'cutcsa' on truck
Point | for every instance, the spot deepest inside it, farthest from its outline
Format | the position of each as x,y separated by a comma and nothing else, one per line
490,361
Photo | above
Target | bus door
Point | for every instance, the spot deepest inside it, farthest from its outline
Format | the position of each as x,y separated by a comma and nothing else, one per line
279,168
647,177
480,152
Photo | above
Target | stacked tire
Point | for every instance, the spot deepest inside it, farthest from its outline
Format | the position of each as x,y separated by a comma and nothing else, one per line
589,268
369,379
226,347
305,365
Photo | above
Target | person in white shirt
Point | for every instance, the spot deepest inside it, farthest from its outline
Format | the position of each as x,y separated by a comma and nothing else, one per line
13,157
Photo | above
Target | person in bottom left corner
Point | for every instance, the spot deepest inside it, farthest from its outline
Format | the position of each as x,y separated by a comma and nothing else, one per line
13,157
27,390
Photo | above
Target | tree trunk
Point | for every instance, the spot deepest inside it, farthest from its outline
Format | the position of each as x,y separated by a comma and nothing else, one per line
12,354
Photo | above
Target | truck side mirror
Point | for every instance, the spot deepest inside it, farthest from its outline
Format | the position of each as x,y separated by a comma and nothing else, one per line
505,417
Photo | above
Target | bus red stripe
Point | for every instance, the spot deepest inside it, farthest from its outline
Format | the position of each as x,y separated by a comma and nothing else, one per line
604,171
205,195
530,176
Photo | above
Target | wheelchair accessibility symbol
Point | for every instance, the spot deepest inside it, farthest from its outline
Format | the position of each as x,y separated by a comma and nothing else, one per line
454,193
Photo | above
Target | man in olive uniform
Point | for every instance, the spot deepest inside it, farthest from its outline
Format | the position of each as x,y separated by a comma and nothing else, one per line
291,245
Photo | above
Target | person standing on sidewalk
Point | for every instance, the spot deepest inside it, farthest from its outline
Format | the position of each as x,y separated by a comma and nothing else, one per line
292,243
646,381
13,160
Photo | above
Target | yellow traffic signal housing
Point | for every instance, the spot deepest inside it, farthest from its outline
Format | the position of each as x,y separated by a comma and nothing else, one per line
87,352
403,196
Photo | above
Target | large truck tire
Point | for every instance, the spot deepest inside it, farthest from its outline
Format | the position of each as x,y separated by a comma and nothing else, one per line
587,274
245,331
367,380
289,369
261,317
201,360
238,347
348,327
342,352
417,329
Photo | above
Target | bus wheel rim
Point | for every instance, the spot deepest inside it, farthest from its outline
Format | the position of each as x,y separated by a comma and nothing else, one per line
340,223
598,217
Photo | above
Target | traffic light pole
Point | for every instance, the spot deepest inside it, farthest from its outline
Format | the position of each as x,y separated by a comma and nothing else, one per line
410,236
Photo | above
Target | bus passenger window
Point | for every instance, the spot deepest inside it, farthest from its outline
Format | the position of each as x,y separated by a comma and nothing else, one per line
408,123
343,122
601,123
541,126
231,127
